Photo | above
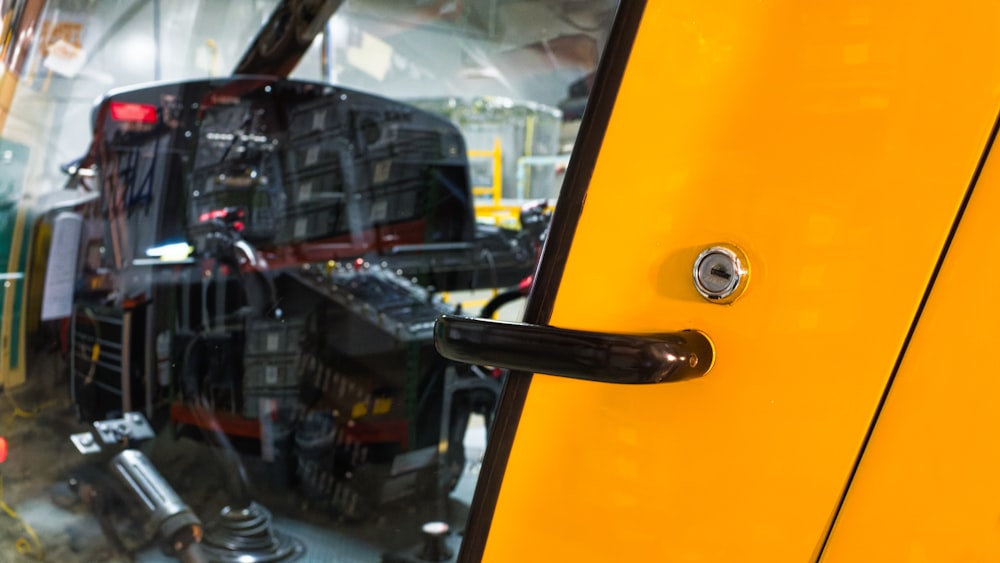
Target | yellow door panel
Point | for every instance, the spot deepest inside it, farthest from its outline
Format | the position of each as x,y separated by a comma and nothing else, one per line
832,143
927,487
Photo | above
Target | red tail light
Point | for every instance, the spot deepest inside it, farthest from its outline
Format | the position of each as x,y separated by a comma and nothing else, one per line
214,214
3,449
135,113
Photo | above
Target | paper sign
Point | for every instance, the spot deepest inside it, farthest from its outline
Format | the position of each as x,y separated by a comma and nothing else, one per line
60,272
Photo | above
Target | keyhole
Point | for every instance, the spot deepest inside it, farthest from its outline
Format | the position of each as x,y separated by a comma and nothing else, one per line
721,272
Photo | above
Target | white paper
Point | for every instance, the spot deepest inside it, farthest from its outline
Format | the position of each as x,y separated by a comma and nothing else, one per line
60,272
65,59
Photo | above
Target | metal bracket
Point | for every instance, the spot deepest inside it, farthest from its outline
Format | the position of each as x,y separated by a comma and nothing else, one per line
131,428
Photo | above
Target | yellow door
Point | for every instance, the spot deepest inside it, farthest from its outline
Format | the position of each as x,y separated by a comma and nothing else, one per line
926,488
832,144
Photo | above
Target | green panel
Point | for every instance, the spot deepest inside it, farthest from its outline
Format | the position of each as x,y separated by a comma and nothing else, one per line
13,163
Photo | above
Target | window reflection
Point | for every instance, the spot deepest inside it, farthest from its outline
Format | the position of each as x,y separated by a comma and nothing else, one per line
239,360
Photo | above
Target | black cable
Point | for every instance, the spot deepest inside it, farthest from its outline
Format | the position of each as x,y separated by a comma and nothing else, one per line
501,299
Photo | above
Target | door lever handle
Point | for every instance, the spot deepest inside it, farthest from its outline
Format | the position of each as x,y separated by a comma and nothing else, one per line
593,356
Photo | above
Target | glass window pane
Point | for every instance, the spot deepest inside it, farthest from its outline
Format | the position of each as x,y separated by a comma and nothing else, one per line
220,291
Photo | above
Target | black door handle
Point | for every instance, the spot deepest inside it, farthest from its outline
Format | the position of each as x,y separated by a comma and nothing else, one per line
594,356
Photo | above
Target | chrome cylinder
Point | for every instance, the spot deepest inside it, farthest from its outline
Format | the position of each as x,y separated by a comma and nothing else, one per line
173,521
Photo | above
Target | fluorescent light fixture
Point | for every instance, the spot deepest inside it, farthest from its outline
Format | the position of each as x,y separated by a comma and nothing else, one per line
171,251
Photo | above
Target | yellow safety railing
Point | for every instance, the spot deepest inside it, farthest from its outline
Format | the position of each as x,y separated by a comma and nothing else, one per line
491,209
494,191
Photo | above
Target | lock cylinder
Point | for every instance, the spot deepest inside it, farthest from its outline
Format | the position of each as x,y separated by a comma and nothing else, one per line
721,273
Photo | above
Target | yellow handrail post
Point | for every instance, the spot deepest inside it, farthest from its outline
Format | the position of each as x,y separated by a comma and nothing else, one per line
497,171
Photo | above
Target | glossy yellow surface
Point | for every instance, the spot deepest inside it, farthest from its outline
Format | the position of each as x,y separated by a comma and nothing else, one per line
833,143
927,488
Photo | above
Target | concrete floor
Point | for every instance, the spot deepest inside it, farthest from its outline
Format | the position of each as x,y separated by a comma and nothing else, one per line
35,486
70,533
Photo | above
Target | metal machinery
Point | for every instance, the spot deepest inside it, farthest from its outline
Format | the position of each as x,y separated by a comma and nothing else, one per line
261,271
251,375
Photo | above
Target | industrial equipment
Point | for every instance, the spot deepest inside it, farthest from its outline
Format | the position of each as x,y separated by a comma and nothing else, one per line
259,273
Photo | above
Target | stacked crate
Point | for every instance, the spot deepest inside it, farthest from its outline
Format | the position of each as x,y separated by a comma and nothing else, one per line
319,172
270,365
